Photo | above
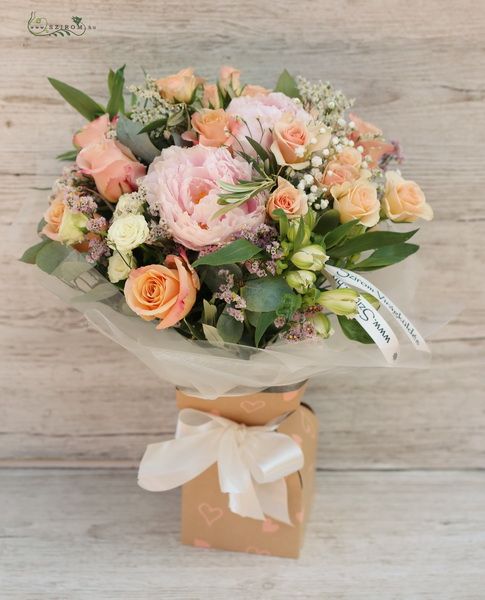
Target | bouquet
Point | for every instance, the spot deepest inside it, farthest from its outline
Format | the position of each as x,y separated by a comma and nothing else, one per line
230,227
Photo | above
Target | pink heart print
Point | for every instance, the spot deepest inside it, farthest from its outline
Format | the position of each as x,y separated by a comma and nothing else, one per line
209,513
250,406
269,526
198,543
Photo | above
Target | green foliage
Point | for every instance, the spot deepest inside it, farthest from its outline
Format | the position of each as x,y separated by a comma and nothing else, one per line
286,84
328,221
262,322
265,294
209,275
340,233
289,304
85,105
386,256
229,328
116,82
139,143
70,155
239,193
30,255
354,331
51,255
235,252
370,241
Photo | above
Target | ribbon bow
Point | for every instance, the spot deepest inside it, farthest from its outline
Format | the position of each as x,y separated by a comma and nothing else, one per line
252,462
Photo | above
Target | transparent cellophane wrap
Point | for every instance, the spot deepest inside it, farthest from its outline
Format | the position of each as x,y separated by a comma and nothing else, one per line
231,369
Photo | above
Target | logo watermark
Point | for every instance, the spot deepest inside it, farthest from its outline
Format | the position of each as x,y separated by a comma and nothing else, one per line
41,27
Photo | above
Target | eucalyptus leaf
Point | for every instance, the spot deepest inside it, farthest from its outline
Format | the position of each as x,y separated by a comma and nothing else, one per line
139,143
229,328
210,275
354,331
30,255
263,322
235,252
51,256
265,294
85,105
286,84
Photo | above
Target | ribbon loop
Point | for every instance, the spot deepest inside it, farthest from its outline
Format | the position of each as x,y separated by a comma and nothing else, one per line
252,462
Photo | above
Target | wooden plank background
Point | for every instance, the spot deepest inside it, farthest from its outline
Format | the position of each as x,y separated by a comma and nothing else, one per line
70,398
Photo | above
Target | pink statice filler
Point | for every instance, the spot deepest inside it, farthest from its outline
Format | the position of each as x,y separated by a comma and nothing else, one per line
182,187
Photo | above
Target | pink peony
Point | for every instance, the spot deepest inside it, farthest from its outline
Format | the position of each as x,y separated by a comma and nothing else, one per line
260,113
182,187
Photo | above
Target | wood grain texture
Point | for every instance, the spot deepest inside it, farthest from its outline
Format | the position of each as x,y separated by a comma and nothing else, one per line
87,535
415,68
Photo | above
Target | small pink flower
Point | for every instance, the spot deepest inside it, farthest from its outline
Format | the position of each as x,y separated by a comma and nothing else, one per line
179,87
183,188
229,77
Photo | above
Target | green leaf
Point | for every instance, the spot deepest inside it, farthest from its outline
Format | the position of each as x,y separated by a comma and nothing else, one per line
354,331
69,155
383,257
85,105
229,328
328,221
265,294
30,255
51,256
334,237
40,225
263,322
370,241
139,143
154,125
235,252
116,84
210,277
260,151
286,84
290,303
209,313
212,335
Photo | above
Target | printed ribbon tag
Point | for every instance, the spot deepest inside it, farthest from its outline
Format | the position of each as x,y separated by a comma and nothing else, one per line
373,323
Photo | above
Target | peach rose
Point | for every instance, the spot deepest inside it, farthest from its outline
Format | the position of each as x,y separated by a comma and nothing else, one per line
287,197
215,127
166,292
336,173
53,217
254,90
95,131
364,127
350,157
179,87
404,200
113,167
210,97
229,77
367,135
294,141
357,201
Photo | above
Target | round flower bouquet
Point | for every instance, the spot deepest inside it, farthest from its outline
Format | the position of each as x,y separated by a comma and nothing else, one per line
230,228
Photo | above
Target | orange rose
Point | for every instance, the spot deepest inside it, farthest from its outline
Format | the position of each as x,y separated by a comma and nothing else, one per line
95,131
357,201
367,135
215,127
53,217
349,156
179,87
254,90
113,167
404,200
229,77
288,198
294,141
210,97
166,292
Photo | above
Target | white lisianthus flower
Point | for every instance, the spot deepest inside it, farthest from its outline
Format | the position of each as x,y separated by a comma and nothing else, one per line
120,266
71,227
128,232
129,204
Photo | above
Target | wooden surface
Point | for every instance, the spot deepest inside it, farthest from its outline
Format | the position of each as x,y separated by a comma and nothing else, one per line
72,399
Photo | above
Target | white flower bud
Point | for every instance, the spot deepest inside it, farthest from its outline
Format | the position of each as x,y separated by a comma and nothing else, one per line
120,266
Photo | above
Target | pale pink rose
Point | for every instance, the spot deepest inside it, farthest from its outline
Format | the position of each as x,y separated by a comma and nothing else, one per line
113,167
53,217
404,200
95,131
294,141
287,197
259,115
179,87
376,149
215,127
336,173
229,77
255,90
210,97
166,292
357,200
183,188
364,127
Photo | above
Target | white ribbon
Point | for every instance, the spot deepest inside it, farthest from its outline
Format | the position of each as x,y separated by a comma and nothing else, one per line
375,325
252,462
